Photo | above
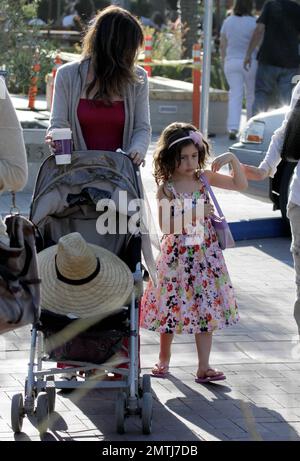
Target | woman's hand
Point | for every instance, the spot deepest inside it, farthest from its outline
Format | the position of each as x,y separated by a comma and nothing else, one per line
222,160
254,173
50,142
137,158
247,62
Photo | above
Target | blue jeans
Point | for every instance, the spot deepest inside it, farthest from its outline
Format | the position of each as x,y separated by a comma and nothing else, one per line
273,87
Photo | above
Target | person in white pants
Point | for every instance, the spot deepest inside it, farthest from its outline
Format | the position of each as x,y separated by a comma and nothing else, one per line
236,32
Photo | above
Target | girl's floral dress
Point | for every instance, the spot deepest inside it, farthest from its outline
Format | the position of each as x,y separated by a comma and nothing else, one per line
194,293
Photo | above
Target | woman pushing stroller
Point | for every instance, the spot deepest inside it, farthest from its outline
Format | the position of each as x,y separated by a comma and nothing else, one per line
104,97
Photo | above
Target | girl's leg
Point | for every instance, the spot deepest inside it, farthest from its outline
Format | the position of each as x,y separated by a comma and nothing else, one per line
164,354
203,343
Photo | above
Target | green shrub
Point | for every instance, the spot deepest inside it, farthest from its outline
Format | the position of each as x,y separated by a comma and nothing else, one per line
217,77
18,44
166,44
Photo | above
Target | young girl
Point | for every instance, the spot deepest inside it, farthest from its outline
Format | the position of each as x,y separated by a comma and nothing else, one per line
194,294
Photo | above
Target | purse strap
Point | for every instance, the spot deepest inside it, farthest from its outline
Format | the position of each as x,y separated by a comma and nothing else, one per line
207,185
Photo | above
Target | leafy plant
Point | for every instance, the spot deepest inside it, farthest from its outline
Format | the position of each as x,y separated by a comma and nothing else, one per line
19,42
217,77
166,45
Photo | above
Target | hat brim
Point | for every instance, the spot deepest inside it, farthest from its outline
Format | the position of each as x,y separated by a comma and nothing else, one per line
106,293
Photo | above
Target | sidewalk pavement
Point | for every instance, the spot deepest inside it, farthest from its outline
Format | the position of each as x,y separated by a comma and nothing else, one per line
260,400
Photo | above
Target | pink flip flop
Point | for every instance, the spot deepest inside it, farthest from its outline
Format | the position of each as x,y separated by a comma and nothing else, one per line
207,379
160,371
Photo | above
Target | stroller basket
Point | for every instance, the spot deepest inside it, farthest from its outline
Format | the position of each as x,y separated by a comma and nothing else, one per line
95,345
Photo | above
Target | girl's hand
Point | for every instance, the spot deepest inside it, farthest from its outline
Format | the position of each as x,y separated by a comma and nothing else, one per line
235,180
222,160
51,144
137,158
254,173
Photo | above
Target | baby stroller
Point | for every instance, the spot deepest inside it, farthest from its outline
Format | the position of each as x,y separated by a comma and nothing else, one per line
65,201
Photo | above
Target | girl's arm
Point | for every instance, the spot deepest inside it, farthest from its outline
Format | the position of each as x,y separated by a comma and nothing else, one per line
236,181
165,220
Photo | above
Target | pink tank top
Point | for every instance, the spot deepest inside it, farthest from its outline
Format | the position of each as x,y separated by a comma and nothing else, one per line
102,126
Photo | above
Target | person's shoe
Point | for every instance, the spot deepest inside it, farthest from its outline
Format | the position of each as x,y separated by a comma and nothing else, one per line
210,375
233,135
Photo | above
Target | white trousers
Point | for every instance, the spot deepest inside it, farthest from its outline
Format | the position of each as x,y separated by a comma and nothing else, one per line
240,82
293,213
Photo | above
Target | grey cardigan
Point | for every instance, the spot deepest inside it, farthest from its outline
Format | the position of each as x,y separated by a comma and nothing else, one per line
69,83
13,160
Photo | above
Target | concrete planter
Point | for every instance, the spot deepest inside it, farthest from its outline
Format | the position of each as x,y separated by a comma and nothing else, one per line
37,151
171,101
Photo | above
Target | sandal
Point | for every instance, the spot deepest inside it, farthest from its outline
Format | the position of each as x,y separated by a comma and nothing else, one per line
216,376
160,371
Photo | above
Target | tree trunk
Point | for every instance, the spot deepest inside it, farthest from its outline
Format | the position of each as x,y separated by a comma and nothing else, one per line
190,23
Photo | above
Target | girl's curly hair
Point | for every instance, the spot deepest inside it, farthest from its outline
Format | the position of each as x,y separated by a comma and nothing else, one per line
166,158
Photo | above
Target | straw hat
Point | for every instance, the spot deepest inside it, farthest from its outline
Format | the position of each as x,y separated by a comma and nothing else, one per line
82,280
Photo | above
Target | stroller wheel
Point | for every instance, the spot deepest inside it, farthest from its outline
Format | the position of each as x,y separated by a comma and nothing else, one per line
120,412
42,412
34,390
50,390
17,413
147,408
51,398
146,383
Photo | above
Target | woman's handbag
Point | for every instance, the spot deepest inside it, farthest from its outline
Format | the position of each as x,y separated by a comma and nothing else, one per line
291,145
19,281
220,224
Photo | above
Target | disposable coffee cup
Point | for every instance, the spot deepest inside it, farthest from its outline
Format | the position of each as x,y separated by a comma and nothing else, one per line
62,138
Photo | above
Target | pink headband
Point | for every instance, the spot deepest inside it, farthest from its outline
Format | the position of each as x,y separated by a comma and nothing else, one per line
195,136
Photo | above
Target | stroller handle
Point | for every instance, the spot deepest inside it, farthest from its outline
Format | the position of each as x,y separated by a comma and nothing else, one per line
135,166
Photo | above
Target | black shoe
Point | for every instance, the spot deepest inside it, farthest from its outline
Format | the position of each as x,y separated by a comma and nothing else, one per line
233,135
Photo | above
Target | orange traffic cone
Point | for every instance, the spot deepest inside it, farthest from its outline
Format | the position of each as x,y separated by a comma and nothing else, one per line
33,88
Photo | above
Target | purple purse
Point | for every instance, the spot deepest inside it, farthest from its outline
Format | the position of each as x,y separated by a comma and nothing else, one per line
220,224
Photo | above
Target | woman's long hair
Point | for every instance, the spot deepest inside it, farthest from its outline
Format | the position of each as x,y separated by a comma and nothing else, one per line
243,7
112,41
